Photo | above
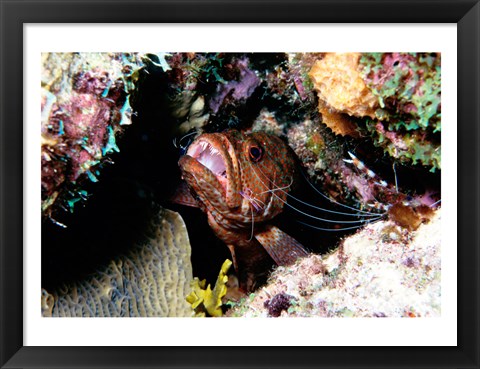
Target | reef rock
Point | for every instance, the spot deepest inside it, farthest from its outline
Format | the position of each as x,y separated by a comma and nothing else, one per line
381,271
85,106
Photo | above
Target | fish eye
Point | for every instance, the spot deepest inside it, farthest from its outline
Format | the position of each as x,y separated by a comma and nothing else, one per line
255,152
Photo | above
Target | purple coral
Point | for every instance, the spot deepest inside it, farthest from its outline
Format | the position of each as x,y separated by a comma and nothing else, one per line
278,303
238,89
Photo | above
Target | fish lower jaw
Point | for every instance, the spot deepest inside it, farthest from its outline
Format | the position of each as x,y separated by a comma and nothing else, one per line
223,181
220,173
221,178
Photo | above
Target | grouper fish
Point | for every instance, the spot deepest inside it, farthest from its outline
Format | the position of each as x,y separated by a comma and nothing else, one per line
241,182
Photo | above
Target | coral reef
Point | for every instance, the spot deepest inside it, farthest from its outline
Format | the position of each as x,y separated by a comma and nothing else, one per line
234,87
266,122
240,88
408,121
85,107
322,155
151,281
366,129
381,271
405,83
288,83
209,91
397,97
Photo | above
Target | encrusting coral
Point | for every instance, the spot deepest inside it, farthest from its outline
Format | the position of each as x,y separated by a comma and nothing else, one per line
408,121
393,97
383,270
151,281
85,106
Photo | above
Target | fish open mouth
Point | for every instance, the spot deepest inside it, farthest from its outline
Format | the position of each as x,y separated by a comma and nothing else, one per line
207,155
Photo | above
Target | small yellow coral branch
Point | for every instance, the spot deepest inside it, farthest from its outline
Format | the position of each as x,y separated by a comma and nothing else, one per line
205,300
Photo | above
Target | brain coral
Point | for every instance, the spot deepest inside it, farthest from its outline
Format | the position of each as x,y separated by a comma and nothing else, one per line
151,281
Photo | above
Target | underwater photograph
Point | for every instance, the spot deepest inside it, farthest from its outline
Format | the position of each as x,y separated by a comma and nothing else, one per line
195,184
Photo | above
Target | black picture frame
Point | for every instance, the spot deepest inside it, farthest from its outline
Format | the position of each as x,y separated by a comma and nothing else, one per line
14,13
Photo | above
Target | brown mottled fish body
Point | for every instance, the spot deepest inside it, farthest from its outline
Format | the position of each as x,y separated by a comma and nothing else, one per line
241,182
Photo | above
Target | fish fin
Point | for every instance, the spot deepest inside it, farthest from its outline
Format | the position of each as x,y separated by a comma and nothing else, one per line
280,246
234,258
183,196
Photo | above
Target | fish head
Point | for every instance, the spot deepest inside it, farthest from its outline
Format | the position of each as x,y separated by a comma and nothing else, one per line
245,177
